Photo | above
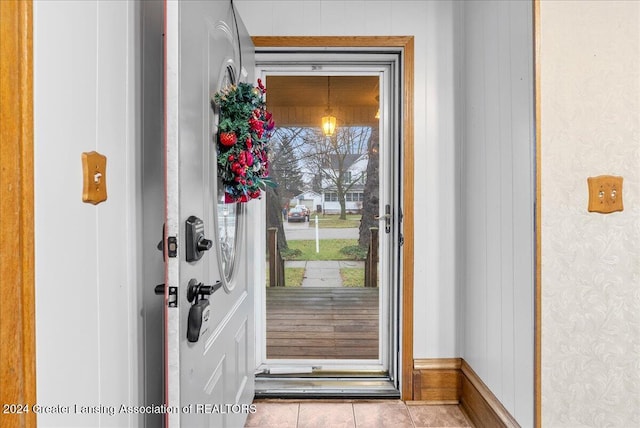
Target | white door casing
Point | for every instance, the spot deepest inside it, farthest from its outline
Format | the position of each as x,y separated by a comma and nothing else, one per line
208,383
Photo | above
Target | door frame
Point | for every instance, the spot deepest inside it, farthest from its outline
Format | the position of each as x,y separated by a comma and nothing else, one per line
17,264
406,45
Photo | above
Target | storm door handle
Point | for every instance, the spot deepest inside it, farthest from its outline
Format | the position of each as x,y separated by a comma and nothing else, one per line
386,217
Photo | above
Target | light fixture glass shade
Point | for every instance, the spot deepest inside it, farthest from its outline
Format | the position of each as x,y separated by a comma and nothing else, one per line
328,125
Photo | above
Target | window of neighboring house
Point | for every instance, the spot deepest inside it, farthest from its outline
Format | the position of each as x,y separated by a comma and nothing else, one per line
347,176
331,197
354,196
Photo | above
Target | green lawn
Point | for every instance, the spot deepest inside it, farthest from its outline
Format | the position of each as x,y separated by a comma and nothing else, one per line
352,277
329,250
293,277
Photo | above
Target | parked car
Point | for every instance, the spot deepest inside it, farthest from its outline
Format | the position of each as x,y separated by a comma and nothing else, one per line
296,214
306,210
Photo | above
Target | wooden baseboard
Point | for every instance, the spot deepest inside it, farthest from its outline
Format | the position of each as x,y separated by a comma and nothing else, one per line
437,380
482,407
453,381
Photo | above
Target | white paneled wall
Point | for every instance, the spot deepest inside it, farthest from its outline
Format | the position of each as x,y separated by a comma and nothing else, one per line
86,327
432,25
497,246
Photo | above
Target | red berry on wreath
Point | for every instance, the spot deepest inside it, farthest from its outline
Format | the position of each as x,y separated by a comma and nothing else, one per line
228,139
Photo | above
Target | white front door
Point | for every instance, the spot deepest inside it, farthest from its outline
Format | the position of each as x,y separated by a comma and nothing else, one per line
209,326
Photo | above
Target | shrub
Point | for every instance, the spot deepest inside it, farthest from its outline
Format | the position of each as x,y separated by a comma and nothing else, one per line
355,251
290,253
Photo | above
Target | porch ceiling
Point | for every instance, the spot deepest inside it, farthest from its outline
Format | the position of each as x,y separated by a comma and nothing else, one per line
302,100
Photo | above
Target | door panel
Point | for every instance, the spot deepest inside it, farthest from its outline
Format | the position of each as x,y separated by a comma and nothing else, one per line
210,379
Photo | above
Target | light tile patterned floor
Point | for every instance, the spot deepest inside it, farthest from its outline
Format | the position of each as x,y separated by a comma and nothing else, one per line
354,414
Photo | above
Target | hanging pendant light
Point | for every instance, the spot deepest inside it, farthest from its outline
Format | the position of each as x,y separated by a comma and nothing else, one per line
328,120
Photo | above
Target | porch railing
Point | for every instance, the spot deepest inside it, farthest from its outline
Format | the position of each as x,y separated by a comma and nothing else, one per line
276,263
371,262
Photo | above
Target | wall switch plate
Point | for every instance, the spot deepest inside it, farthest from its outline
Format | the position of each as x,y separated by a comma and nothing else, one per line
605,194
94,172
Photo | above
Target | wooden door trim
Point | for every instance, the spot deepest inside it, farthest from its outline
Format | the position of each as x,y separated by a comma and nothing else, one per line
406,44
17,287
538,224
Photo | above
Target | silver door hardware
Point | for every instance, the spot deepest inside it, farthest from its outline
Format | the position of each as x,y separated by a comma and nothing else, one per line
386,217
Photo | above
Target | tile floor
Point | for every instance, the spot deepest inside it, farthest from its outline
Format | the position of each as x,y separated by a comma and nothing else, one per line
354,414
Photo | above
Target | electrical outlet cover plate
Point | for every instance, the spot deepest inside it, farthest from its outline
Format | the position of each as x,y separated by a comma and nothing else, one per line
605,194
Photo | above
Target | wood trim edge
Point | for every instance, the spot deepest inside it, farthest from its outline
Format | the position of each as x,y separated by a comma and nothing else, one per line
408,226
488,405
406,44
437,363
17,264
331,41
538,223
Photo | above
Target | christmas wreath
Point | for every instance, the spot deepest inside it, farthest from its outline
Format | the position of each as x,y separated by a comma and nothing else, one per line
244,129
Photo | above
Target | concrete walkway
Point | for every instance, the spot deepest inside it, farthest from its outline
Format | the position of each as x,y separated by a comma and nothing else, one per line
323,273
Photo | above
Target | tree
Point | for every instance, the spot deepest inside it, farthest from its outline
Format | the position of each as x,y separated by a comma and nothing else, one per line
371,203
275,217
285,167
284,171
332,157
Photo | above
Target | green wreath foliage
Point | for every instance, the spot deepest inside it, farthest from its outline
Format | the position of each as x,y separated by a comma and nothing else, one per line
244,130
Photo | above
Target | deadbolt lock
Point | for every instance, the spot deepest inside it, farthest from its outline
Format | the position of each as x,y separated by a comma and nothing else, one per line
196,243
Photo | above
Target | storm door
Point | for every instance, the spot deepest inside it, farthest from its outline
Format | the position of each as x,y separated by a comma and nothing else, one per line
328,306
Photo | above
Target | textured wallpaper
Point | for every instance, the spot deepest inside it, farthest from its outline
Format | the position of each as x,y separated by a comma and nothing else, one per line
590,83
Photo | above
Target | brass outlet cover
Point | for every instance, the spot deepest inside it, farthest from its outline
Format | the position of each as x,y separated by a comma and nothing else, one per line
94,172
605,194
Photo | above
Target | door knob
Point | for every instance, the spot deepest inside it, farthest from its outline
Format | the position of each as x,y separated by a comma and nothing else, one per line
197,290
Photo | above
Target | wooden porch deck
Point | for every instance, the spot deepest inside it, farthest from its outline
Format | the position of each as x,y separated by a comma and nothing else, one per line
322,323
